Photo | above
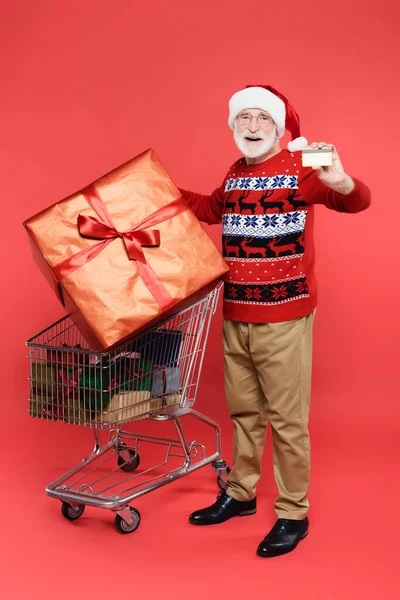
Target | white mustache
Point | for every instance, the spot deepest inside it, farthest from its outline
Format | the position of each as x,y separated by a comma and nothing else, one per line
265,143
252,136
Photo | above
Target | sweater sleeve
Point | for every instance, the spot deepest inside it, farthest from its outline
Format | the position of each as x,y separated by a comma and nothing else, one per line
316,192
208,209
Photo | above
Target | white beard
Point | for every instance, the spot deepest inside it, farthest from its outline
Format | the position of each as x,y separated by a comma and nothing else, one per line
254,149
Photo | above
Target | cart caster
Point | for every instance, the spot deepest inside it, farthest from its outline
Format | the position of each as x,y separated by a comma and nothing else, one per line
71,513
128,464
124,527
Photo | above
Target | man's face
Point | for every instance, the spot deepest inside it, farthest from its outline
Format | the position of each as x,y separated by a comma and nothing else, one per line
255,132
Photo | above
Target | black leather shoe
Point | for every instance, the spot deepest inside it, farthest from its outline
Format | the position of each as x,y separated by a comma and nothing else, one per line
223,509
283,537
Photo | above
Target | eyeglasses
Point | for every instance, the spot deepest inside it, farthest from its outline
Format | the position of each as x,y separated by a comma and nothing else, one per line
262,119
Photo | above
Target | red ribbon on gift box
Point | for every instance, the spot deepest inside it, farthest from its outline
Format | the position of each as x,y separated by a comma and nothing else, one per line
69,383
134,239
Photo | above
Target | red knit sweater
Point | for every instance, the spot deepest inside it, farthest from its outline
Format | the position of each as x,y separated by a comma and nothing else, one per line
268,217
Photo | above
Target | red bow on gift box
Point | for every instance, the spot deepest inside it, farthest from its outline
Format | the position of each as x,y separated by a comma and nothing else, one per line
66,359
105,230
133,240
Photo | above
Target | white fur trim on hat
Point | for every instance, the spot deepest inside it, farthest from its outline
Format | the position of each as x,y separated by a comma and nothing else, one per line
297,144
258,97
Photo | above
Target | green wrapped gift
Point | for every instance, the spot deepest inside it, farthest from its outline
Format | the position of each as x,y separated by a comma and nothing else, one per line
99,382
142,370
130,372
94,384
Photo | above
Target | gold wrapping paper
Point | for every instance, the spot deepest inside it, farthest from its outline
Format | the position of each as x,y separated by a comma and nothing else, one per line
44,387
172,399
133,405
74,412
46,397
128,406
106,297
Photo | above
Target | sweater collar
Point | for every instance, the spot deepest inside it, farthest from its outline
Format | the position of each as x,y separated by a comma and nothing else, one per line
263,166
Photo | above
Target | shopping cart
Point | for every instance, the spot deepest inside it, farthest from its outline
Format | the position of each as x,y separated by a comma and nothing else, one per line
154,376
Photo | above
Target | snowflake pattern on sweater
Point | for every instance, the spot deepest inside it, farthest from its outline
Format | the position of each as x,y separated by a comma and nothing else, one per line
263,225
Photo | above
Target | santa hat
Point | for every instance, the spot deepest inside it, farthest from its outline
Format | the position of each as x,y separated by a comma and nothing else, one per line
275,104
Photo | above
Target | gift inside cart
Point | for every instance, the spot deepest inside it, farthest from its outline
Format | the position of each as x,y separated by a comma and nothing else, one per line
152,376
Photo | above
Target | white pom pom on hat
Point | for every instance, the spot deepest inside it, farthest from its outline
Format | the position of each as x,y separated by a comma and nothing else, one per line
297,143
267,98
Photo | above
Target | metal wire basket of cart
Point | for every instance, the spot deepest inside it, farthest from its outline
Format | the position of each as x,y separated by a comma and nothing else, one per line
153,376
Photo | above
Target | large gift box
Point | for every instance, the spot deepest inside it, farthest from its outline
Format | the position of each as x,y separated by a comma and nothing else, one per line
124,252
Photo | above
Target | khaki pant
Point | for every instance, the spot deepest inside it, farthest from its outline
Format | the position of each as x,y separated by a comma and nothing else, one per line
268,378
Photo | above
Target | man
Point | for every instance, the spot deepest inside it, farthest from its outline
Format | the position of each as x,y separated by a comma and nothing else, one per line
266,205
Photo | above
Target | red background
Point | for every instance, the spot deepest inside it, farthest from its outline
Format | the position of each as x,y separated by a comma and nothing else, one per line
88,85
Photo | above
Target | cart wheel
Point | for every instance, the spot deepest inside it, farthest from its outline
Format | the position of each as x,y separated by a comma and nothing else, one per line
221,482
131,465
124,527
70,513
